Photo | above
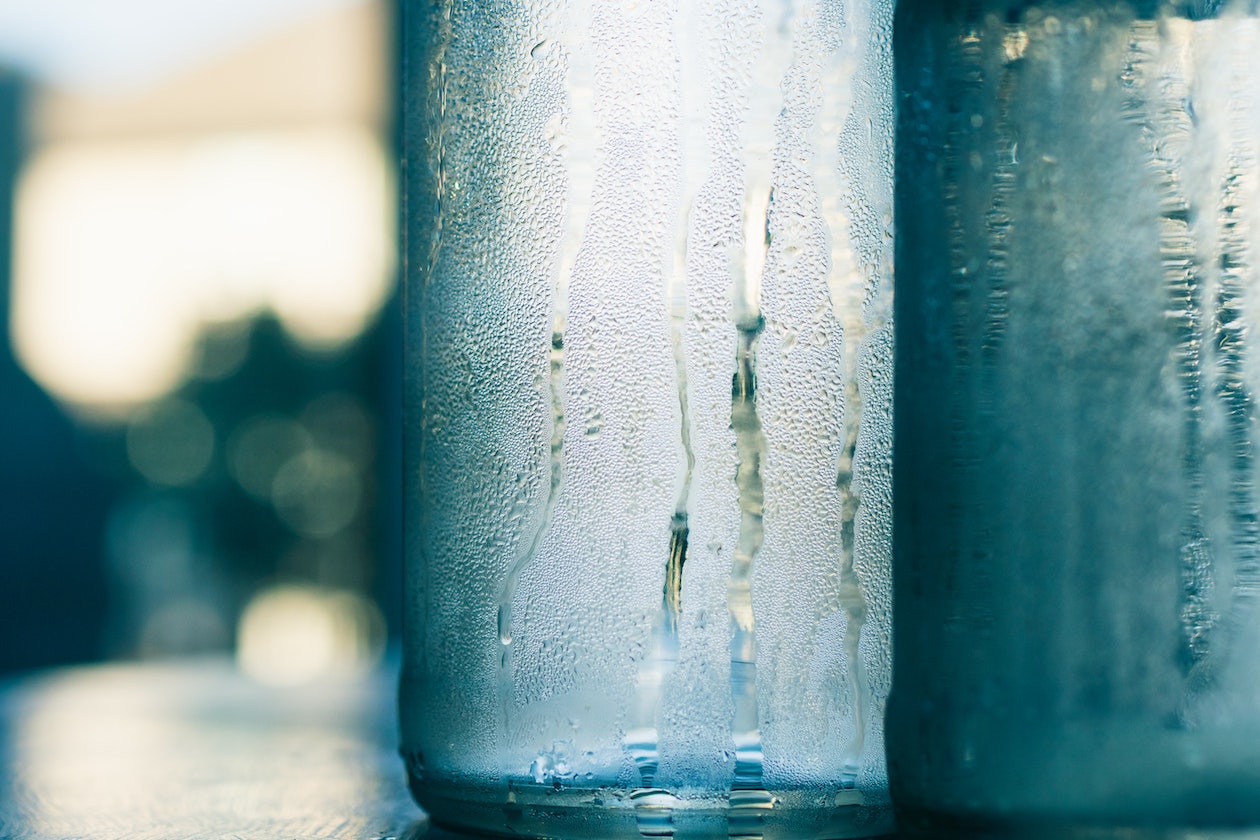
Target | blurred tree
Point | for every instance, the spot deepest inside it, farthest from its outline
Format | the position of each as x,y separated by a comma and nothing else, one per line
52,507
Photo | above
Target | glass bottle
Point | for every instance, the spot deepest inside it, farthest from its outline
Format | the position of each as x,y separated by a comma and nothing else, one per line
1077,519
648,408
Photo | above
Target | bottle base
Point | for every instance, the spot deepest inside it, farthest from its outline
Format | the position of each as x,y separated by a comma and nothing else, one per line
527,809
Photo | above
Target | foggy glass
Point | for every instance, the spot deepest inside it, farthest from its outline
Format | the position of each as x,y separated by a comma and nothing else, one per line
1077,560
649,415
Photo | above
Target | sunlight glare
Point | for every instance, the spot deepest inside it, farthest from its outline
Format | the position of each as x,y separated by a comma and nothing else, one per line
125,251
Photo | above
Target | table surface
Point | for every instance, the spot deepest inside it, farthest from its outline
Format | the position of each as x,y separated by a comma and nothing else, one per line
193,749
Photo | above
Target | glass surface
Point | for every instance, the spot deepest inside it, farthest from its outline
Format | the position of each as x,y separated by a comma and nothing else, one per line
649,416
1077,511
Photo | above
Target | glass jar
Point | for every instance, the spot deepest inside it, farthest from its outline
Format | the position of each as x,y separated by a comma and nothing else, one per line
1078,523
648,425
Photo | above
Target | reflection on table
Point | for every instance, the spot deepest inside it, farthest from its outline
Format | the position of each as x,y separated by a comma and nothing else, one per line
193,749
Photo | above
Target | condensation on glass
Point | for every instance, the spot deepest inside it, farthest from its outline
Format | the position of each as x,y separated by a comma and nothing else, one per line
1078,521
649,415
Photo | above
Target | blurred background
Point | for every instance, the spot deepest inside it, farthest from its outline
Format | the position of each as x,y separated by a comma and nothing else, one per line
199,331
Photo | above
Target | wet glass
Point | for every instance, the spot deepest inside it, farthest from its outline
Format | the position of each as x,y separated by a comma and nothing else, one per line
649,422
1077,527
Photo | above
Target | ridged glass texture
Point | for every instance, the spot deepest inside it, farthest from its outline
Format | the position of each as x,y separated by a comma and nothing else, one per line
649,415
1078,523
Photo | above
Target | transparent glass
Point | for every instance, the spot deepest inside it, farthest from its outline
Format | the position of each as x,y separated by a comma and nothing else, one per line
649,396
1078,522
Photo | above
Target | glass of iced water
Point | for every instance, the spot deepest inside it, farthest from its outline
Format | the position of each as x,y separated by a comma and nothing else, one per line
1078,521
648,434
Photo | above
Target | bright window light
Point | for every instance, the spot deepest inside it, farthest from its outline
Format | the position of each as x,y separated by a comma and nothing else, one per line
125,251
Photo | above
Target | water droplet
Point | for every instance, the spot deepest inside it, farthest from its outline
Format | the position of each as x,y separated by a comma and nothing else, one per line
505,623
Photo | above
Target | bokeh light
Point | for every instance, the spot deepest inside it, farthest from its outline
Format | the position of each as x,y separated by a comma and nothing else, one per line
316,493
291,635
260,447
168,596
171,442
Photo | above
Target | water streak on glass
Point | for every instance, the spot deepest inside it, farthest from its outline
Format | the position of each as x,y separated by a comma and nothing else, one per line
513,575
1160,113
751,447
